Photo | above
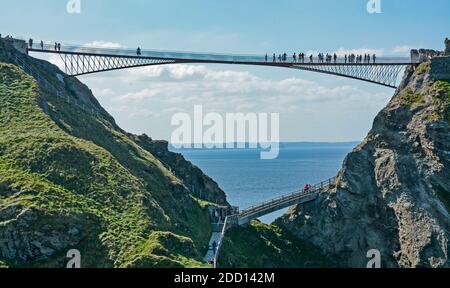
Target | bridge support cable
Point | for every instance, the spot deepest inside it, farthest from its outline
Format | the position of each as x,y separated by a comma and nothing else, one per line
82,64
86,60
382,74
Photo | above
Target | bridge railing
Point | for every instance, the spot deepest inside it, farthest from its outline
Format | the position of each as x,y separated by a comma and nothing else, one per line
120,51
152,53
230,221
317,188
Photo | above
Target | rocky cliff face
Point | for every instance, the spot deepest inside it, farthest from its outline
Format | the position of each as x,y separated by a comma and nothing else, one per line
200,185
70,178
393,192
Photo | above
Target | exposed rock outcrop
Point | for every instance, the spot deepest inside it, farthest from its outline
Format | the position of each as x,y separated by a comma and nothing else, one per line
200,185
393,192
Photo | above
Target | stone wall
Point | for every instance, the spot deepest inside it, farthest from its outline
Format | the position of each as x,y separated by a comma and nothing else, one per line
440,68
447,47
424,55
19,45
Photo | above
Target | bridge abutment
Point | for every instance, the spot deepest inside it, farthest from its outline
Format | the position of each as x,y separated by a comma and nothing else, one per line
19,45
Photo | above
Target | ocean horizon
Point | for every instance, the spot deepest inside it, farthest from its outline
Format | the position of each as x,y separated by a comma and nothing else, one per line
247,180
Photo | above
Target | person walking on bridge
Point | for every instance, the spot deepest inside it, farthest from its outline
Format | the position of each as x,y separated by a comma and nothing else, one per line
56,46
138,51
42,45
59,47
30,43
266,57
374,58
294,57
274,58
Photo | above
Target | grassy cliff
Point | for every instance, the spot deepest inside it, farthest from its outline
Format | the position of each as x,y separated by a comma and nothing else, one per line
74,180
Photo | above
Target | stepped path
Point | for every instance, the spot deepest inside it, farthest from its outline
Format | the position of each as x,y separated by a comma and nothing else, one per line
244,217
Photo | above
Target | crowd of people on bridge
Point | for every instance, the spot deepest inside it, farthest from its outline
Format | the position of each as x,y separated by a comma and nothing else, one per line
352,58
323,58
282,58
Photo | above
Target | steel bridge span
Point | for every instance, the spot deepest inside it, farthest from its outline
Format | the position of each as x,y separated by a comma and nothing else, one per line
80,60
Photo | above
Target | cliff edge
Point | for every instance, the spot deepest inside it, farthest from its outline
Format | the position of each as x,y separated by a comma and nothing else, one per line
393,192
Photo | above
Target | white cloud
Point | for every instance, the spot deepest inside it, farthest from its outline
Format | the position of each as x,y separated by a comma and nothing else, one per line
103,44
54,59
144,99
228,91
361,51
105,92
403,50
141,95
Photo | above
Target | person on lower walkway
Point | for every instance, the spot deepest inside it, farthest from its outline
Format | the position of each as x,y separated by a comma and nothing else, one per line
214,247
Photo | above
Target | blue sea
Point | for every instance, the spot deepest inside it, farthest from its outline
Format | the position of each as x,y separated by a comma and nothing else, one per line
247,180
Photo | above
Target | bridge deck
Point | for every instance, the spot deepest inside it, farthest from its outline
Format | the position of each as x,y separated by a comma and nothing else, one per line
196,57
83,60
283,202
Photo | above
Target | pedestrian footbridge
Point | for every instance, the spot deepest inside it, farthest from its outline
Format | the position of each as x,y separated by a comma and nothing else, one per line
246,216
81,60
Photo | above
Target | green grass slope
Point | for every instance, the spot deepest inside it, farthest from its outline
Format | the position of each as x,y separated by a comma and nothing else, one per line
267,246
69,179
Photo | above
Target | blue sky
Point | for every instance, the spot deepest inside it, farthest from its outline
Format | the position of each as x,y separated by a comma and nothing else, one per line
312,107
